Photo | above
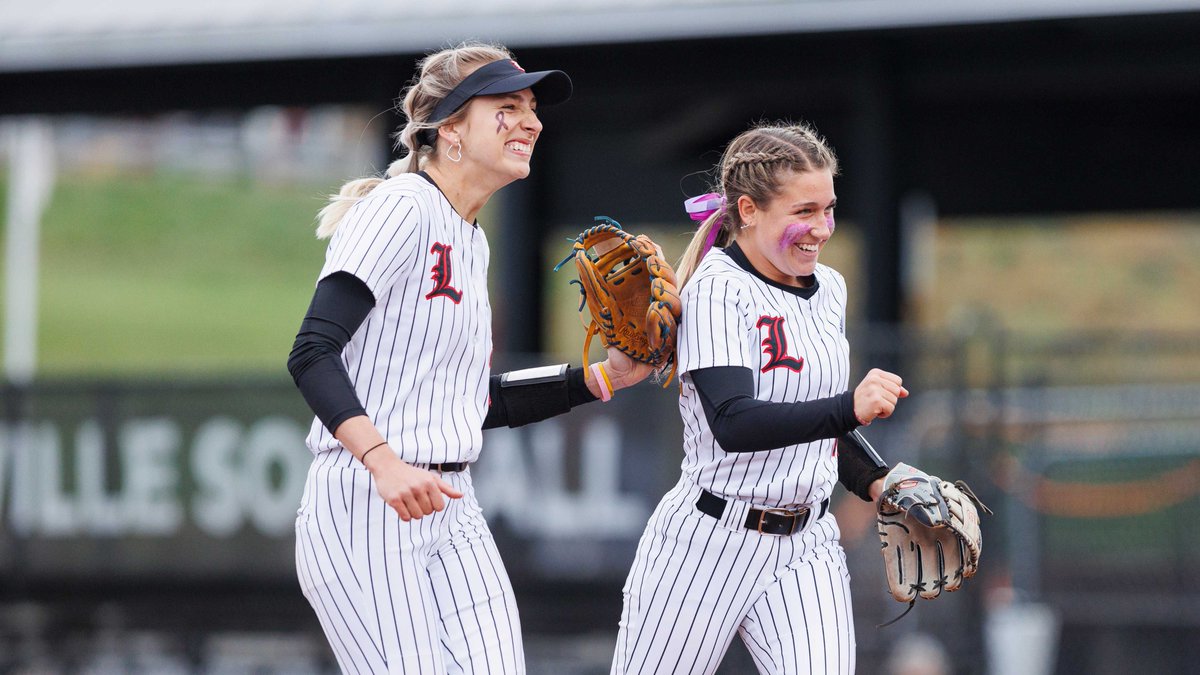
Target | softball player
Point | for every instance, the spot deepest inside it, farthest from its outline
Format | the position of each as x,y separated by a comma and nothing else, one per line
392,550
744,542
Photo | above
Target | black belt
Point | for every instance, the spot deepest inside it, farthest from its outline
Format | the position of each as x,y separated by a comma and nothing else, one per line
445,467
766,521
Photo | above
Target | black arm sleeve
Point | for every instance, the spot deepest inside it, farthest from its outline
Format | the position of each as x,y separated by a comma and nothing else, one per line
339,306
742,423
858,464
550,401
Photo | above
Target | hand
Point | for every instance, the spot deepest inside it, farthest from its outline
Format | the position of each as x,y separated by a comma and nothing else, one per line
412,492
624,371
877,395
876,489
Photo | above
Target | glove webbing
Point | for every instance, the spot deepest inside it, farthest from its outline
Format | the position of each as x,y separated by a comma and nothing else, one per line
578,248
594,329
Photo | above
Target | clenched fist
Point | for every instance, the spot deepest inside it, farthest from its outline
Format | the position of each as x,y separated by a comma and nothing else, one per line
877,395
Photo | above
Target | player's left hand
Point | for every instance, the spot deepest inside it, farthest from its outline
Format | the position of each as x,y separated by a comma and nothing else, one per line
625,371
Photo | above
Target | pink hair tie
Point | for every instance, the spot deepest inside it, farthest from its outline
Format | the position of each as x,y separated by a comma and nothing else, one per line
699,209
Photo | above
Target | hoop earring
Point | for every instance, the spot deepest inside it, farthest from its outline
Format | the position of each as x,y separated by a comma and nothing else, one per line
457,147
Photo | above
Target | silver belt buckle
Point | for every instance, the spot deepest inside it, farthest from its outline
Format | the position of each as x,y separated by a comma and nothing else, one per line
781,512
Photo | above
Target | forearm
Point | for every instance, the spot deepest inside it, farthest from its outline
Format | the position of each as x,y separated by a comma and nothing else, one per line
517,400
534,394
749,425
860,467
359,435
325,386
741,423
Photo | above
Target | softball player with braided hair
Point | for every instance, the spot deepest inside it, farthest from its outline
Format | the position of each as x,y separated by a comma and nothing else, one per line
393,356
744,543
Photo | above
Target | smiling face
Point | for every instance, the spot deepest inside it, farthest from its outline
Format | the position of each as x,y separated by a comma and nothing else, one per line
498,134
784,237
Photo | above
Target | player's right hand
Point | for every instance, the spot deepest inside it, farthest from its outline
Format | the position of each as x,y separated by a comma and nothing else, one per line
877,395
412,492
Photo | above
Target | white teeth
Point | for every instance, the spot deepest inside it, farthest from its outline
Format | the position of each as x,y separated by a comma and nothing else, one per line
519,146
811,248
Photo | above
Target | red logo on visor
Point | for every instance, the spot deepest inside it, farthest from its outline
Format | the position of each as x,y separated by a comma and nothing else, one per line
516,66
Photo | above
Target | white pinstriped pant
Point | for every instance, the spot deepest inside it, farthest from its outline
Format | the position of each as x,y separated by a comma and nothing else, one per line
428,596
697,581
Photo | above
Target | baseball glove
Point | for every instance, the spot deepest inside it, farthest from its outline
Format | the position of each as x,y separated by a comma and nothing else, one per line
630,294
929,533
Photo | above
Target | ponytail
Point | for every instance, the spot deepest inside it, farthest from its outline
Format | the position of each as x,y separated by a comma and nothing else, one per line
711,210
437,75
716,230
331,215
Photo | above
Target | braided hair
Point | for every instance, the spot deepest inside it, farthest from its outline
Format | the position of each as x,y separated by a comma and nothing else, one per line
753,165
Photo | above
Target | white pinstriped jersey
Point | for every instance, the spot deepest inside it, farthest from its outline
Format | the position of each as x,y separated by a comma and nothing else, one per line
420,362
797,350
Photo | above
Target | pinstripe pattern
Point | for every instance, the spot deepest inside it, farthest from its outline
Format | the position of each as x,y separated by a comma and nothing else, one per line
430,595
427,596
419,366
697,581
722,305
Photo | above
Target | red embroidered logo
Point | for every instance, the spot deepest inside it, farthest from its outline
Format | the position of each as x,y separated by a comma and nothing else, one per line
441,274
775,346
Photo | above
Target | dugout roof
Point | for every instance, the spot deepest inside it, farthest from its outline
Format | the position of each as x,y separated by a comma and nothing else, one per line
73,34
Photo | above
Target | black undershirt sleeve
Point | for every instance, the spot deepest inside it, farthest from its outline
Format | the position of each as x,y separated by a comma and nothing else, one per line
339,306
742,423
550,401
858,466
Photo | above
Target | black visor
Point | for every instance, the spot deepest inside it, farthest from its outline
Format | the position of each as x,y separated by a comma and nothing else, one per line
501,77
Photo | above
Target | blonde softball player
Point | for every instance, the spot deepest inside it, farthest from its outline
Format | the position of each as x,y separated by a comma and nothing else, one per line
744,544
392,550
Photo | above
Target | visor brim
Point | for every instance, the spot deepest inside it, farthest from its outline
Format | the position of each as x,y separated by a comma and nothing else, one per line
551,87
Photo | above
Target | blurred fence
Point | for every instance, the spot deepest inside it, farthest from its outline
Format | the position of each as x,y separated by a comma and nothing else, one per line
147,526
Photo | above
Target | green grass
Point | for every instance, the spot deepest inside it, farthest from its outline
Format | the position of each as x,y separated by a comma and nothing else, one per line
162,274
158,274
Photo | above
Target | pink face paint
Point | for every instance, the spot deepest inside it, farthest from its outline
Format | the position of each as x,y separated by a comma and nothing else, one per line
829,223
500,125
792,234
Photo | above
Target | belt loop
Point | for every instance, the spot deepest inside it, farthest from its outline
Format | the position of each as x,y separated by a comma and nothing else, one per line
735,514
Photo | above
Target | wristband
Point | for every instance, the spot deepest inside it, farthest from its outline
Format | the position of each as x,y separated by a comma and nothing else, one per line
363,459
602,382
